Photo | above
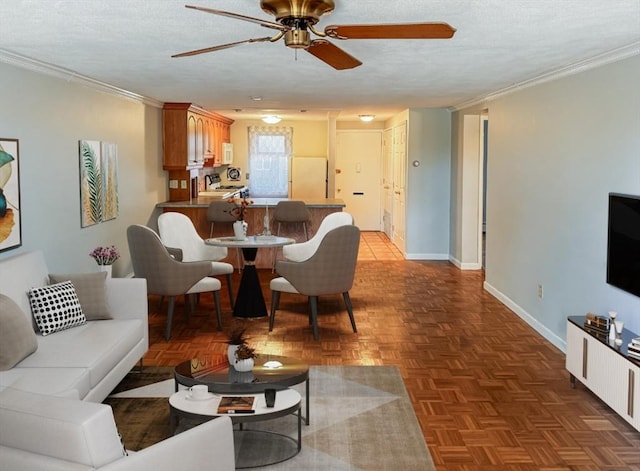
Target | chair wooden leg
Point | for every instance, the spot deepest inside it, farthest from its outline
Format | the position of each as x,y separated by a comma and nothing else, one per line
211,231
275,302
230,288
314,315
172,303
347,301
160,303
304,227
216,298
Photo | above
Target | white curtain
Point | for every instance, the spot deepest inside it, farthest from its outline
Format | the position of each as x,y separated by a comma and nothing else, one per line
270,148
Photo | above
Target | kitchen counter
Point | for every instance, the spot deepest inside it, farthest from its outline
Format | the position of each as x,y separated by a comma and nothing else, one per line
196,210
203,202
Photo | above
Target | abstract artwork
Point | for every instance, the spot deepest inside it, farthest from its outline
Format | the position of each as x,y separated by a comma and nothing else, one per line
98,182
10,224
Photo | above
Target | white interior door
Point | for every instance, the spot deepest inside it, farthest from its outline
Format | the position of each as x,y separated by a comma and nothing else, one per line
387,182
399,185
358,182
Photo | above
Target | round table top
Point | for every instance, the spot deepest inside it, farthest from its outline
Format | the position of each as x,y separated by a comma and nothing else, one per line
270,371
256,241
287,401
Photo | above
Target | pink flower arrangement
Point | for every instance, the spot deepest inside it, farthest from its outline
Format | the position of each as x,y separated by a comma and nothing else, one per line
105,255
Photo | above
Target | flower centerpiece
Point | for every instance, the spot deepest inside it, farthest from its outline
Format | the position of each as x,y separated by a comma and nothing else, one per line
241,207
240,226
236,338
244,358
105,255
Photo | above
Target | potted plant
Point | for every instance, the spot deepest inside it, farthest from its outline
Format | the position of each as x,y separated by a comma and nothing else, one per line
105,257
236,338
244,358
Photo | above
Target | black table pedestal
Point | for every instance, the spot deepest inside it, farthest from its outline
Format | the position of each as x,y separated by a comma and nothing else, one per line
249,300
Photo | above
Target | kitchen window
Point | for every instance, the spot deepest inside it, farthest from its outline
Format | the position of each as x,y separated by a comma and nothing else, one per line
269,154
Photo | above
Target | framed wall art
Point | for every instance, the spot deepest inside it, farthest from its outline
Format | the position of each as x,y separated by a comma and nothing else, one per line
98,182
10,217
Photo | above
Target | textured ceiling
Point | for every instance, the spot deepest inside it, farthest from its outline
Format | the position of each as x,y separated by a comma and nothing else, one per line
498,44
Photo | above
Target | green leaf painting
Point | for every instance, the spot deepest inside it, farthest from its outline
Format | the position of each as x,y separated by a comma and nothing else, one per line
98,182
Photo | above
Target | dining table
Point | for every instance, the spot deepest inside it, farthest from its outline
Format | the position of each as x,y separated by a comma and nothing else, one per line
250,301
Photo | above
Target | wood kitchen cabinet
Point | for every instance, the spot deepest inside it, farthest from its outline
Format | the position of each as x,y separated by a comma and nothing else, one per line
192,137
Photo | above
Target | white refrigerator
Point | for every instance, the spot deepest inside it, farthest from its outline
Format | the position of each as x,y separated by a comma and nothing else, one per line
308,178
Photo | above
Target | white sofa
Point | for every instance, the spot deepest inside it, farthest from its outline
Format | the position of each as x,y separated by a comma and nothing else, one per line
50,418
48,433
85,362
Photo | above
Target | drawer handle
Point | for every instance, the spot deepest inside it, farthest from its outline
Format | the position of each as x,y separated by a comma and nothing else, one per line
585,346
630,391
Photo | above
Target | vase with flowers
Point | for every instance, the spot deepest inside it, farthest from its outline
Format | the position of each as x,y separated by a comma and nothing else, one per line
240,226
244,358
105,257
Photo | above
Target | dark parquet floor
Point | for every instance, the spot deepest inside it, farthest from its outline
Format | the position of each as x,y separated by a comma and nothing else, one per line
489,392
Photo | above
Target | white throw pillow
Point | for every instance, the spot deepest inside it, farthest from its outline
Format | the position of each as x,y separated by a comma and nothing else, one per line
56,307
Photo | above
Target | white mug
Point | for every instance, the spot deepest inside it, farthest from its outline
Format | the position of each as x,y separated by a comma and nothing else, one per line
199,391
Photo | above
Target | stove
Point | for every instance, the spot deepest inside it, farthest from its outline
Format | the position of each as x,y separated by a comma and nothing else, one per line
216,190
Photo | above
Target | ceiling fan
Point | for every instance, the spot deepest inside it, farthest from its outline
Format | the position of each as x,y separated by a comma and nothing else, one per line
296,20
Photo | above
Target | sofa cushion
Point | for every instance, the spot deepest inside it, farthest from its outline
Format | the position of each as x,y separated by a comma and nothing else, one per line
73,383
56,307
66,429
17,338
90,288
97,345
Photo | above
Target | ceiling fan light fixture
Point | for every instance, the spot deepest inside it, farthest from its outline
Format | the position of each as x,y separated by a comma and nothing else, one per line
271,119
366,117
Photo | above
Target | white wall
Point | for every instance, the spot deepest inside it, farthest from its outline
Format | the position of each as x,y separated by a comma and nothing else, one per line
49,116
556,151
428,185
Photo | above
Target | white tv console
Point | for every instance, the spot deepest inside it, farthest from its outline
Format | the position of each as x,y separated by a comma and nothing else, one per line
605,369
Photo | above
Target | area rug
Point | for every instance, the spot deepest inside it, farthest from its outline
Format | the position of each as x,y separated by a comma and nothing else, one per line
361,419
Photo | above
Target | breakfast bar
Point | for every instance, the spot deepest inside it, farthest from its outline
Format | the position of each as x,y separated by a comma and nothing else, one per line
196,210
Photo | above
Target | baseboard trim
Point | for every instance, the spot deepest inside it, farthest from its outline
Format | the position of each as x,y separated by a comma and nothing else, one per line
465,265
426,256
528,318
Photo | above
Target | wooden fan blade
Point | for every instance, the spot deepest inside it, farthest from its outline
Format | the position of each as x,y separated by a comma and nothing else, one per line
222,46
391,31
266,24
332,55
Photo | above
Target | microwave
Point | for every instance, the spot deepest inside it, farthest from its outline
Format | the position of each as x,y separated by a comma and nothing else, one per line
227,153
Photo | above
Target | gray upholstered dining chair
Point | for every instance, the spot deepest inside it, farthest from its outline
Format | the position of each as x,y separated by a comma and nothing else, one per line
167,276
222,211
330,270
290,212
177,230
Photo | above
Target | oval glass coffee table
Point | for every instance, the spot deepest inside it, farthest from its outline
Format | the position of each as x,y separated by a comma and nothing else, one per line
253,448
270,371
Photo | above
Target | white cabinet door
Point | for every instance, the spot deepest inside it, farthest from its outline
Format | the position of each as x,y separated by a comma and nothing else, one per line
608,374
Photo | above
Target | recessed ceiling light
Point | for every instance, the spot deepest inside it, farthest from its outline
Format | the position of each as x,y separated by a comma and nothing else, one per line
256,98
366,117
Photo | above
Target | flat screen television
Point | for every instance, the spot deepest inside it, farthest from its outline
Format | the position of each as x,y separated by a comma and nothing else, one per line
623,248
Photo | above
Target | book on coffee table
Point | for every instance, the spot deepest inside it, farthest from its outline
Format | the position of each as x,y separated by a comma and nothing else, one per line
236,405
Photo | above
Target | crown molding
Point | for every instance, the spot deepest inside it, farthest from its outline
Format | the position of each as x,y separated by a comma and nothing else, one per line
71,76
616,55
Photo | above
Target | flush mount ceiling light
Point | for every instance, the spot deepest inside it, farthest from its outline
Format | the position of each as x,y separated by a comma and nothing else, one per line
366,117
271,119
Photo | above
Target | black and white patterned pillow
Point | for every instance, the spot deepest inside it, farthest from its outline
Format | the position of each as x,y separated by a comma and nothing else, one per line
56,307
